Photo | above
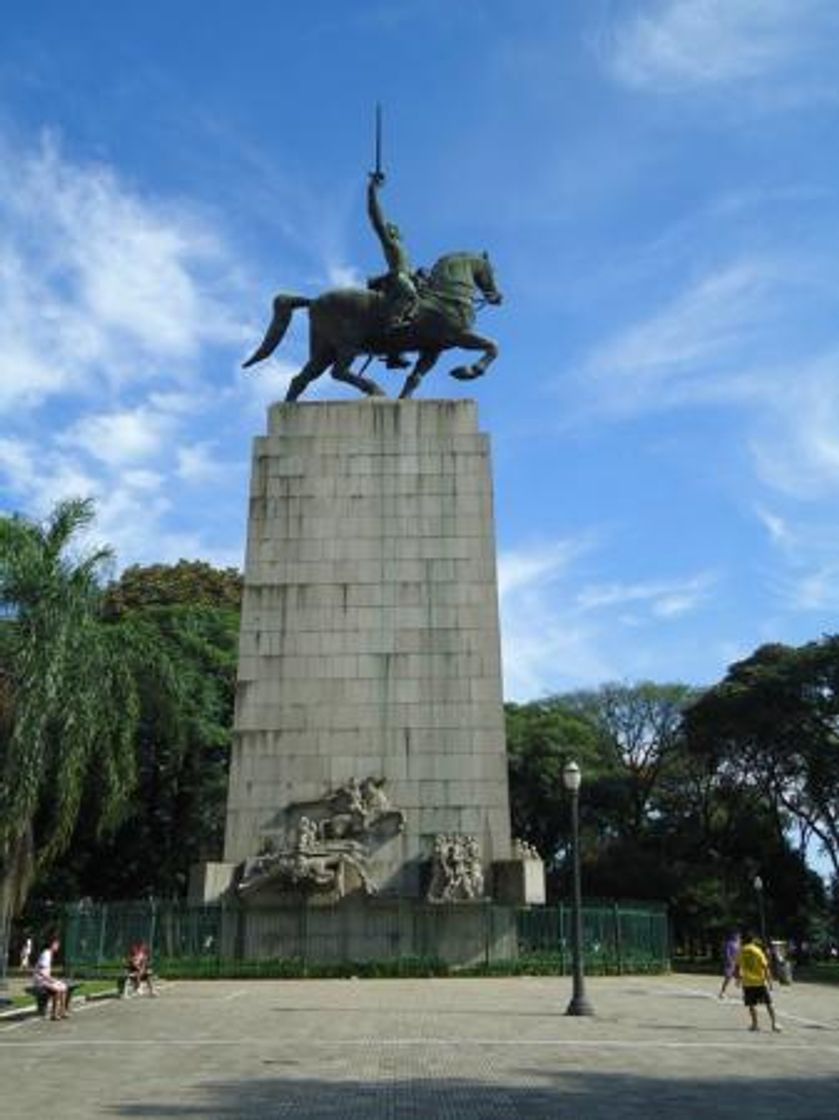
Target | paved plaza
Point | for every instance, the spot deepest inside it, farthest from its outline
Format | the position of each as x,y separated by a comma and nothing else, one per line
420,1049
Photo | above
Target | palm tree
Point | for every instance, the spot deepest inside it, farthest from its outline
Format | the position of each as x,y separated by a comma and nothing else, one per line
68,699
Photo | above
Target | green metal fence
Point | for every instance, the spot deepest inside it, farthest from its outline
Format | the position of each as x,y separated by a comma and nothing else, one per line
617,937
385,937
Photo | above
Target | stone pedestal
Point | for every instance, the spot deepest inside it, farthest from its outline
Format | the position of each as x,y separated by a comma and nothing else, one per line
369,643
519,882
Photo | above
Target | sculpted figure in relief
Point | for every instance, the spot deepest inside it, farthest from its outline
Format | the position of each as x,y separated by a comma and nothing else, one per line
456,870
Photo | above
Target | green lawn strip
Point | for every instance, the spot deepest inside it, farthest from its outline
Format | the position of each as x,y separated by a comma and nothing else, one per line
817,972
87,988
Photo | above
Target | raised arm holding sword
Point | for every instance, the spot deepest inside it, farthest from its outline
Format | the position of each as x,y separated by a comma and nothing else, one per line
397,285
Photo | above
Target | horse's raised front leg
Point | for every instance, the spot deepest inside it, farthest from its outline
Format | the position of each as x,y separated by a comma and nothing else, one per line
423,364
471,341
341,372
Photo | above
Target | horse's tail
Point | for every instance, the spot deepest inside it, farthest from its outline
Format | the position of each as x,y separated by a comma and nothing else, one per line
284,308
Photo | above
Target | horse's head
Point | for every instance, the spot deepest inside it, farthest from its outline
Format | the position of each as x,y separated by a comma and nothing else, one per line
485,279
456,276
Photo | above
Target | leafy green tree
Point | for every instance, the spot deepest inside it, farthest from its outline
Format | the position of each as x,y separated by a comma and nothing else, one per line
657,820
772,726
541,738
176,814
70,701
188,583
640,728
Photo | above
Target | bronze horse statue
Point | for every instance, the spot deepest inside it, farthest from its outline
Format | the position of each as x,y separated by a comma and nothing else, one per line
348,322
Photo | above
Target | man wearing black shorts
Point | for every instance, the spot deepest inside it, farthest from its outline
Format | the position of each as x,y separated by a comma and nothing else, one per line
753,970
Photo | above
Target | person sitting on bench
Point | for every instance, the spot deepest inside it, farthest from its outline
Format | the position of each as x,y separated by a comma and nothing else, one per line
44,981
139,967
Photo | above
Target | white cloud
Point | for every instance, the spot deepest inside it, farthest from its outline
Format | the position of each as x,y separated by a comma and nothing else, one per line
735,337
99,285
344,276
795,442
267,383
558,635
145,480
540,642
120,438
675,44
38,477
816,590
133,506
540,565
805,573
776,526
112,296
691,350
17,464
199,463
665,599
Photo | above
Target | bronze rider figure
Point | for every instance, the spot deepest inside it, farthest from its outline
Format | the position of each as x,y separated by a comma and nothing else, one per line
397,284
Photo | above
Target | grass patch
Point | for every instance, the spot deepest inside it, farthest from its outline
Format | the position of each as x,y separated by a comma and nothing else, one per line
820,972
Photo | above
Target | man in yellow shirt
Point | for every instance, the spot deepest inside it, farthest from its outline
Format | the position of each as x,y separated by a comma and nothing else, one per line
753,970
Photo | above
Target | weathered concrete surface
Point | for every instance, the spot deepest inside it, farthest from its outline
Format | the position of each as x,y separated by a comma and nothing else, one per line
421,1049
369,643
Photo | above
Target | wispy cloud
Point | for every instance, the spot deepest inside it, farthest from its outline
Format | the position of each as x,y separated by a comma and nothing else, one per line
133,504
559,631
99,286
113,304
804,571
690,44
737,337
663,598
692,349
795,444
521,570
123,437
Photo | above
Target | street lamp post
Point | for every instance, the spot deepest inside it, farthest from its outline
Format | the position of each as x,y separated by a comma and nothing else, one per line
761,908
579,1005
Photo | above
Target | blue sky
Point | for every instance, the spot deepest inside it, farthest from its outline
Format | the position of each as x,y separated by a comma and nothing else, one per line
656,183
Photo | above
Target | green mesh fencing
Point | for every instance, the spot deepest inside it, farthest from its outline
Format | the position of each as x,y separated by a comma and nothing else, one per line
617,937
386,937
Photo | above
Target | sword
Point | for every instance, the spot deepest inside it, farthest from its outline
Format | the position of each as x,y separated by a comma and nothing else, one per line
378,174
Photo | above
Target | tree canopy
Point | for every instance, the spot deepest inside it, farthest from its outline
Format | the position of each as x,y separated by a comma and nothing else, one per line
175,814
658,820
115,713
772,727
70,699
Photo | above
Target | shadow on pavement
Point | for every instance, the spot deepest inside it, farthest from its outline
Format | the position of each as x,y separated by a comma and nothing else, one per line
566,1096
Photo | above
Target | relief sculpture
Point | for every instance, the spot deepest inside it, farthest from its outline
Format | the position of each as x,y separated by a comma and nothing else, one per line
326,847
456,870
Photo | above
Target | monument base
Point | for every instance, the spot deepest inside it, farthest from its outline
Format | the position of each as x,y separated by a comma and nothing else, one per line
519,882
210,882
359,930
284,925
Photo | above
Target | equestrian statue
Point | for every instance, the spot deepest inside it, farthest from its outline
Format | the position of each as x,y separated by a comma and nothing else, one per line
400,312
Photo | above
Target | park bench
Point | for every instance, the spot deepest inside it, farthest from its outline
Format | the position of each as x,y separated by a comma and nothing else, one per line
42,996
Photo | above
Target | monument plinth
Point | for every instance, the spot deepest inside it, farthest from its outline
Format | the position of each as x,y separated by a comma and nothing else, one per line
369,732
